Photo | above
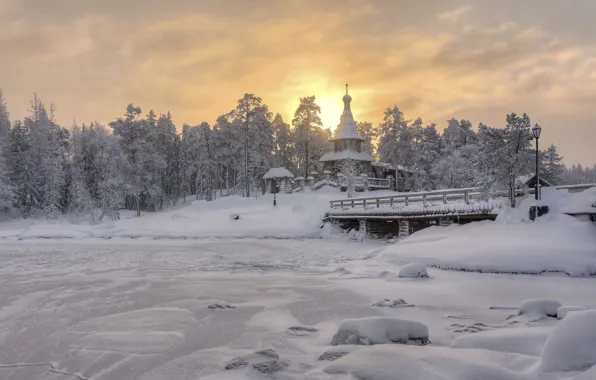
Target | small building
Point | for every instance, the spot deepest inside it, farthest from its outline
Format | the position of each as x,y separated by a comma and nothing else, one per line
529,182
272,180
347,143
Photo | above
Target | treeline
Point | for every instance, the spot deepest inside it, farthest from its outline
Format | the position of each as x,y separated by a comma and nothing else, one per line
142,161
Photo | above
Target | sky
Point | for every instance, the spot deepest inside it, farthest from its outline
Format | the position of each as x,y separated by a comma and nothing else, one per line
434,59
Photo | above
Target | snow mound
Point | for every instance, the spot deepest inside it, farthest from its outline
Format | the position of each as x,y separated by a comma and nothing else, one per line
428,363
264,361
413,270
560,243
539,308
572,344
588,375
380,330
525,340
564,310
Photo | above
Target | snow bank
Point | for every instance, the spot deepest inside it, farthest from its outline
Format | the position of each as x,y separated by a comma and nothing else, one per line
539,308
564,310
560,243
572,344
523,340
413,270
428,363
380,330
296,215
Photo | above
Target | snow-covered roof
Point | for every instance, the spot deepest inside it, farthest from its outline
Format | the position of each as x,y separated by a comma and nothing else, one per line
347,126
390,166
525,179
278,173
345,154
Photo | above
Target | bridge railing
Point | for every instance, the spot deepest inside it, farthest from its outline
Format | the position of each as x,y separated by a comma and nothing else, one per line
466,195
436,195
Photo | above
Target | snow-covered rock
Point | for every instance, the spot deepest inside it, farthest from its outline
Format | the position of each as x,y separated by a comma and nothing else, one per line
220,306
413,270
264,361
380,330
386,362
390,303
336,352
572,344
564,310
539,308
524,340
301,330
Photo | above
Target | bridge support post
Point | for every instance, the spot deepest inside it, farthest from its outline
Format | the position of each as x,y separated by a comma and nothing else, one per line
363,226
404,229
445,222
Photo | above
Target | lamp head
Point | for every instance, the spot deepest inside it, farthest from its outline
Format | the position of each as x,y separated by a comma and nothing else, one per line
536,131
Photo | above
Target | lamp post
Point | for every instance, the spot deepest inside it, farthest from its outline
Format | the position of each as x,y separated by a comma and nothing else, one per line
274,182
536,133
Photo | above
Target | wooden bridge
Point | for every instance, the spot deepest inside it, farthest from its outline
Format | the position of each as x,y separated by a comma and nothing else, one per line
405,213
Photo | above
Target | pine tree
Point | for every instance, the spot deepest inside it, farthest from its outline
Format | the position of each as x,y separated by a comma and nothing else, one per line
396,142
284,148
370,134
245,114
307,123
551,167
428,153
6,188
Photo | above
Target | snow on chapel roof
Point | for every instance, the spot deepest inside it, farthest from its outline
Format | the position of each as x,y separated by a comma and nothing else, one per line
278,173
347,126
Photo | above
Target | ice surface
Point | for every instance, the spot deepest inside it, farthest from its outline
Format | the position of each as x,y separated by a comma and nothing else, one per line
413,270
539,308
379,330
572,344
129,299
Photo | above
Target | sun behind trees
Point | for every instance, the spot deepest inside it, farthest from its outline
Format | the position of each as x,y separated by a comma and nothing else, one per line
144,162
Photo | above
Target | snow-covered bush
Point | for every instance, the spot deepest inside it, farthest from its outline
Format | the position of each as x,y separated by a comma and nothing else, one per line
572,344
539,308
380,330
413,270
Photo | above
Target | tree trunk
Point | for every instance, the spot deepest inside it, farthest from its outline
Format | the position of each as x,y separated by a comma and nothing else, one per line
138,204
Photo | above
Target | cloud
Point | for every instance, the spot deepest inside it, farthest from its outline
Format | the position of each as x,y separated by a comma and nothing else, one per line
196,59
454,15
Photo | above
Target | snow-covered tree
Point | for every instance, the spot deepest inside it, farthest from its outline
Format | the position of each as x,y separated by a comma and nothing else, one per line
396,141
350,169
551,167
370,134
428,153
284,148
6,188
307,124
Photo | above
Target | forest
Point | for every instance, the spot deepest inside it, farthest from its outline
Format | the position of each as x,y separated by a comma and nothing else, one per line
144,162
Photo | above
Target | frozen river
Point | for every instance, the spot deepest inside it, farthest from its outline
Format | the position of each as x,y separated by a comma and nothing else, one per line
134,309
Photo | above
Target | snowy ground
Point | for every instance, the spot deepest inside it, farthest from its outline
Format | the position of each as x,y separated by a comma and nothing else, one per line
91,308
296,216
